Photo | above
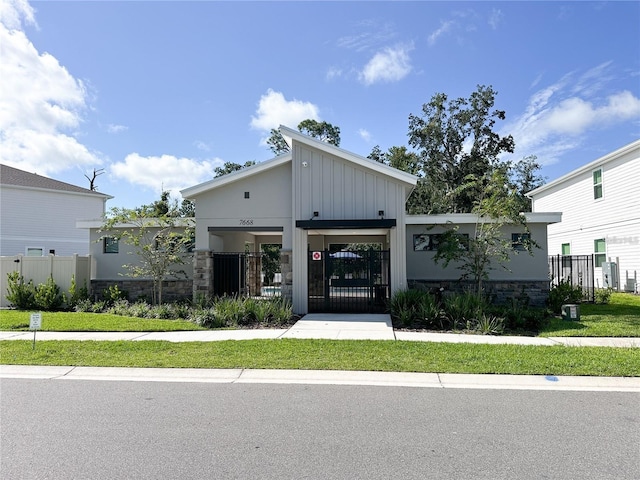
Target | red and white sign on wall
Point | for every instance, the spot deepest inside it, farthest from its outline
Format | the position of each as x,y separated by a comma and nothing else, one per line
316,255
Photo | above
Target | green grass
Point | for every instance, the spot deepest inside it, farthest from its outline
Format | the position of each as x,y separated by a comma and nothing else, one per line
91,322
619,318
396,356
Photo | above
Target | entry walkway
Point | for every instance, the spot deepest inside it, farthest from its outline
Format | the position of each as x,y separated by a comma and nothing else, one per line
329,326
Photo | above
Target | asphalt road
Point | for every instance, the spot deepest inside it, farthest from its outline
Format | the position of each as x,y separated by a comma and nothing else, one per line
146,430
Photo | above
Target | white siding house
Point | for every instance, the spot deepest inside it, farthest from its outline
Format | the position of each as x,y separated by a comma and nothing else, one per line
600,205
38,214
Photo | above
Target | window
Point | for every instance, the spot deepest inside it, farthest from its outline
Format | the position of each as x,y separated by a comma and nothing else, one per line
110,245
566,249
520,241
600,249
597,184
428,242
34,251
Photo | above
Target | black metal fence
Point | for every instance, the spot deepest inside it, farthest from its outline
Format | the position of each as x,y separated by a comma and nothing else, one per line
243,274
349,282
575,269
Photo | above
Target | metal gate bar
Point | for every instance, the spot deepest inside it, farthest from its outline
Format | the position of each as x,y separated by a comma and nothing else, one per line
349,282
575,269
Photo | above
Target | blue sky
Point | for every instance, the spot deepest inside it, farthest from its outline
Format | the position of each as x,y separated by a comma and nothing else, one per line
159,93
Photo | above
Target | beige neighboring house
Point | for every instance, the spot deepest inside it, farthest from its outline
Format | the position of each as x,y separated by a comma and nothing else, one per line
600,205
344,242
38,214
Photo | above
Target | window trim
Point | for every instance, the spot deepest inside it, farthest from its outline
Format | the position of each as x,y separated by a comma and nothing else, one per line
109,241
598,186
27,248
518,239
599,257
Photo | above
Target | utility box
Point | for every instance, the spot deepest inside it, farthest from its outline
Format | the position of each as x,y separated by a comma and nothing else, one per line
610,275
571,312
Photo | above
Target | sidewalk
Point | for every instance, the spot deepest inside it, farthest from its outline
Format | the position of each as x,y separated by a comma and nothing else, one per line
343,327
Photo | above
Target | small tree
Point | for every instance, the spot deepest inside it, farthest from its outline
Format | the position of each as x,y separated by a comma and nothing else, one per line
161,244
487,248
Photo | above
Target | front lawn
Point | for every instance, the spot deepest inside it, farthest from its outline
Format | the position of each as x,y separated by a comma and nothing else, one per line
91,322
619,318
388,356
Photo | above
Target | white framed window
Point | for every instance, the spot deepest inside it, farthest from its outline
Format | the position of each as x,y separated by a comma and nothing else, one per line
34,251
566,249
600,252
597,184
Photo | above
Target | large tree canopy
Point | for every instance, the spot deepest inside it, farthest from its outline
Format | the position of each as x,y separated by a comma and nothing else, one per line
323,131
455,139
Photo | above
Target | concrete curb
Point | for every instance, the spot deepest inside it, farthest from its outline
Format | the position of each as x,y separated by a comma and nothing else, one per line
326,377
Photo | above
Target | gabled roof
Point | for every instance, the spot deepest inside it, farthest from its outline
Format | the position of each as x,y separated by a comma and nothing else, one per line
290,135
588,167
235,176
19,178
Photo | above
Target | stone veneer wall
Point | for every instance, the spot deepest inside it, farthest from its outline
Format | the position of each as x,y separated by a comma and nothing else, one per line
172,290
202,273
500,292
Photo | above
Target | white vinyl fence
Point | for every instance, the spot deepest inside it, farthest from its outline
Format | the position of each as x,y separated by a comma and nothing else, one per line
39,269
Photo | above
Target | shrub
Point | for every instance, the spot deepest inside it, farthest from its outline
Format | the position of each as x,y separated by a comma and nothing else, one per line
402,307
84,306
205,317
562,293
489,325
47,295
465,309
113,293
76,294
602,296
20,294
120,307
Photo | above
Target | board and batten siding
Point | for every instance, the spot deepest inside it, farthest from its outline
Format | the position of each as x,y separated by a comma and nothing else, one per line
45,219
615,217
341,190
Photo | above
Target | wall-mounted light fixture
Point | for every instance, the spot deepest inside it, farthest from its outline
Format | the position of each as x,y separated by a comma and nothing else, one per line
381,213
305,164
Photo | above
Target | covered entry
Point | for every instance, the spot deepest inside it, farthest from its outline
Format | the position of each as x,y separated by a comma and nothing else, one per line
347,281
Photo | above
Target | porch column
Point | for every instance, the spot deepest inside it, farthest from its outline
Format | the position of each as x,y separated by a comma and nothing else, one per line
202,273
286,286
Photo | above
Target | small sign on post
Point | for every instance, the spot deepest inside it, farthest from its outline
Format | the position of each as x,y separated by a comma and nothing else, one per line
316,255
35,324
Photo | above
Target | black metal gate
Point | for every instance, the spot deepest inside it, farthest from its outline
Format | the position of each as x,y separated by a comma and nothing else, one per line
241,274
575,269
349,282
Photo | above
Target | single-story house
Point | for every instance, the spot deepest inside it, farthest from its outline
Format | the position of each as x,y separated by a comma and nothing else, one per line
338,221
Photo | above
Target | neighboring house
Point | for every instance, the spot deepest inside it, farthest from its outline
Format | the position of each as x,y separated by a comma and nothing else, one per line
345,241
600,205
38,214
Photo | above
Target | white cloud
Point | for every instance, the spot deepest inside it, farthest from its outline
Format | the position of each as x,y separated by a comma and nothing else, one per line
333,72
111,128
41,103
388,65
495,19
444,28
200,145
275,110
559,116
164,172
365,135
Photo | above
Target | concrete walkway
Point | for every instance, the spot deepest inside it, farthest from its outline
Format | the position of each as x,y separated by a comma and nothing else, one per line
333,327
